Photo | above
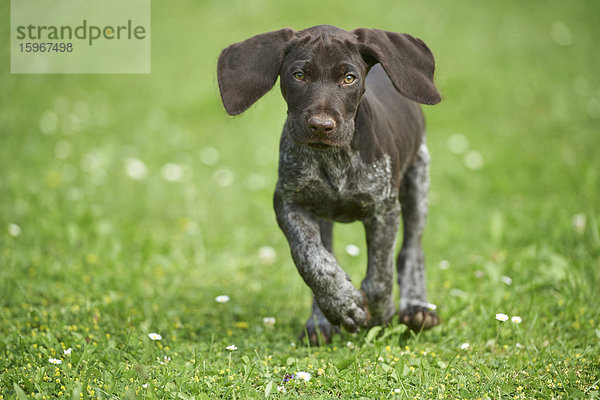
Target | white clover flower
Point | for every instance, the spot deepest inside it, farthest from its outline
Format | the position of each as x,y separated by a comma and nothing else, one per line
48,123
352,250
304,375
255,182
502,317
269,322
209,155
55,361
14,230
62,149
473,160
267,255
68,351
593,108
136,169
457,143
172,172
516,319
578,222
154,336
232,347
561,34
222,299
223,177
506,280
465,346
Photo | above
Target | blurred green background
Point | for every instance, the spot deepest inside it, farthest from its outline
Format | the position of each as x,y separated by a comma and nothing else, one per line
136,195
519,81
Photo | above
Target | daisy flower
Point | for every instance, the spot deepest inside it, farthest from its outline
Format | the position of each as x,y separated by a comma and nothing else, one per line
172,172
154,336
352,250
136,169
516,319
68,351
578,222
267,255
233,347
506,280
304,375
502,317
55,361
14,230
465,346
164,361
269,322
222,299
473,160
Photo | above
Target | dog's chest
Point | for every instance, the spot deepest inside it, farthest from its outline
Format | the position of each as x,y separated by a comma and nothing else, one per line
337,184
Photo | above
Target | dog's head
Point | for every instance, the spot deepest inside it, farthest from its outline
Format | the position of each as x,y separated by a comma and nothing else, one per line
323,71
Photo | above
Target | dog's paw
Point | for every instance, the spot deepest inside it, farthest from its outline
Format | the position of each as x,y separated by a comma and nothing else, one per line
380,309
419,319
319,333
345,307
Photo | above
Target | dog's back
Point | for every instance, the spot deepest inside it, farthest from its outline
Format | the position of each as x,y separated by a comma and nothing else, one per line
389,118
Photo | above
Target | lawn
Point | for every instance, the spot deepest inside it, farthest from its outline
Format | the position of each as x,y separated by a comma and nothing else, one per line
128,203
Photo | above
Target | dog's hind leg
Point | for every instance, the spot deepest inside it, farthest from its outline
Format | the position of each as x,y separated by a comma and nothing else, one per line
414,310
318,328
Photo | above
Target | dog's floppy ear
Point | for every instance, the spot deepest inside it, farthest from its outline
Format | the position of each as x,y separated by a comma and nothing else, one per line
249,69
408,62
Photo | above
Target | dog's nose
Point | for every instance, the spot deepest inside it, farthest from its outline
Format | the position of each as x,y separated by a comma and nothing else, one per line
321,125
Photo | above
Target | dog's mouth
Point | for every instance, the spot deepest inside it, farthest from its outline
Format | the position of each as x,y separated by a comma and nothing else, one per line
319,145
303,137
322,143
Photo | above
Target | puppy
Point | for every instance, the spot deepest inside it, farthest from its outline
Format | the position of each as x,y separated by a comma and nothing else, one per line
352,148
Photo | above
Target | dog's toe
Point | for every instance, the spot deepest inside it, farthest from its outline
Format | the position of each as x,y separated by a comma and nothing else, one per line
419,320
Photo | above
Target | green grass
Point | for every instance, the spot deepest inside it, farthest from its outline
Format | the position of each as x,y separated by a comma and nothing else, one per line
93,260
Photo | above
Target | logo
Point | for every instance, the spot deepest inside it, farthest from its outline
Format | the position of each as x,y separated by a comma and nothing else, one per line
80,36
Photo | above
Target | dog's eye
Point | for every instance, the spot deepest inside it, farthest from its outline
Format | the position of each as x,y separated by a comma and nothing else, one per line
349,78
299,75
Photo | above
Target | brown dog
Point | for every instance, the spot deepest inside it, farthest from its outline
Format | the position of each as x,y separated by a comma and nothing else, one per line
352,148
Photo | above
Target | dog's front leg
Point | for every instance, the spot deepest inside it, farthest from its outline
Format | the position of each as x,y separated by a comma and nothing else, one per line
381,231
335,295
